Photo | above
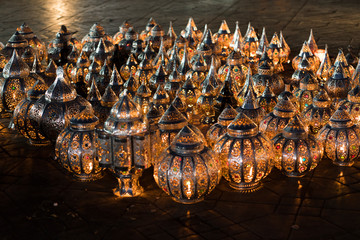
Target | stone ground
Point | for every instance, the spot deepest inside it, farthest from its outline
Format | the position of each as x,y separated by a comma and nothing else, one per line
39,201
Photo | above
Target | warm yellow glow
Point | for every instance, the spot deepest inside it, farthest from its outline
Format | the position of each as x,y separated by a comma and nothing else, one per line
320,53
188,192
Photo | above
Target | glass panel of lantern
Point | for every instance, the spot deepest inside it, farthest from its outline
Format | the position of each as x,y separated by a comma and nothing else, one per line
338,85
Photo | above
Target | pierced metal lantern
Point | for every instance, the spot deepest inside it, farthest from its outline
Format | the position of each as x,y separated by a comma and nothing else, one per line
276,53
235,67
161,58
237,37
174,60
223,38
319,112
212,77
157,35
145,71
153,116
249,84
189,94
101,55
75,147
61,46
180,105
341,139
21,115
191,26
131,86
158,78
352,104
209,49
143,98
102,110
149,52
131,43
338,85
129,68
146,32
170,123
250,45
224,97
341,60
314,61
173,84
323,71
124,146
71,60
124,27
28,57
198,71
205,108
309,87
218,129
285,47
184,66
14,83
50,73
78,74
296,151
263,44
91,40
187,170
53,111
116,82
274,122
304,68
287,94
246,155
267,100
103,78
161,99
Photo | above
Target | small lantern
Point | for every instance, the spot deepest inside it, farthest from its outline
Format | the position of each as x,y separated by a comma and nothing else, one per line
102,110
355,79
101,55
61,46
250,45
263,44
208,48
129,68
52,112
93,71
224,97
312,43
78,74
149,52
338,85
341,60
235,67
285,47
191,26
116,82
161,99
184,66
319,112
188,170
158,78
143,98
28,57
198,71
124,146
246,155
174,60
276,54
180,105
296,151
351,58
122,31
309,88
304,68
173,84
91,40
171,36
21,115
249,84
218,129
157,34
287,94
50,73
131,43
314,61
223,38
212,77
103,79
94,96
352,104
267,100
340,138
33,41
205,107
189,94
323,71
153,116
237,37
131,86
146,32
274,122
161,58
14,83
144,71
75,147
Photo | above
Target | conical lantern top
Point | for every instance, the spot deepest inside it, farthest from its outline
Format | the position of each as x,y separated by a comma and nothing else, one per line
295,128
304,64
265,68
187,141
354,94
96,31
131,34
275,41
305,49
284,44
160,94
237,38
312,43
157,31
109,97
224,28
184,64
248,30
242,126
208,90
105,69
268,92
171,33
17,38
160,74
24,29
207,41
191,26
37,67
153,113
234,58
264,57
179,104
339,73
151,23
51,68
94,94
284,108
145,63
227,115
199,64
341,118
325,65
263,42
125,110
131,86
143,91
124,27
211,77
60,90
174,75
16,67
309,82
115,79
249,84
101,48
356,75
37,90
131,61
172,116
251,35
83,61
322,99
250,101
85,119
341,59
73,55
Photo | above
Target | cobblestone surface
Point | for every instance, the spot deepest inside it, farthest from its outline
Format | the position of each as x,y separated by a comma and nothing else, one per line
39,201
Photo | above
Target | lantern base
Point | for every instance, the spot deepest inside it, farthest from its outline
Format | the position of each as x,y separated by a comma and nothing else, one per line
294,175
343,164
188,201
89,177
119,193
246,187
39,143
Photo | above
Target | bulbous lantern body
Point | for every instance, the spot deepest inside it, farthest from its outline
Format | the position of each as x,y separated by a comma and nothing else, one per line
53,111
338,85
319,112
341,139
14,83
75,147
352,104
296,151
314,61
21,115
265,74
246,155
124,146
122,31
187,170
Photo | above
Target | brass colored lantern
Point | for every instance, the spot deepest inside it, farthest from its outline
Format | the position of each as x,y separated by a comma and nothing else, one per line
93,72
131,43
314,61
191,26
309,88
224,97
21,115
285,46
161,58
340,138
189,94
323,73
124,146
338,85
158,78
143,98
146,32
212,77
184,66
116,82
153,116
198,71
79,73
237,37
52,112
102,110
223,38
246,155
250,45
218,129
263,44
296,151
267,100
129,68
235,67
91,40
188,170
287,94
101,55
144,71
180,105
355,79
173,84
352,104
122,31
103,78
341,60
170,123
149,52
274,122
14,83
276,54
75,147
205,108
161,99
319,112
304,68
94,96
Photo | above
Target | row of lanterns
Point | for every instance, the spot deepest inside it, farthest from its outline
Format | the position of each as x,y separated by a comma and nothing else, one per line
187,105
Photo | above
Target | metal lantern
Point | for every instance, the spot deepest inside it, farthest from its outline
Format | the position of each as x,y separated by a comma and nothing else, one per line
351,57
50,73
131,86
304,68
309,87
102,110
212,77
287,94
235,67
91,40
267,100
161,98
61,46
131,43
103,78
153,116
205,108
143,98
341,60
296,151
250,45
157,35
14,83
75,147
124,146
218,129
237,37
314,61
191,26
355,79
249,84
184,66
129,68
71,60
78,74
94,96
341,139
208,48
124,27
28,57
161,58
319,112
312,43
323,71
285,46
274,122
146,32
53,111
21,115
223,38
174,60
171,36
352,104
180,105
144,72
198,71
276,54
101,55
149,52
116,82
224,97
170,123
158,78
338,85
263,44
187,170
173,84
189,94
246,155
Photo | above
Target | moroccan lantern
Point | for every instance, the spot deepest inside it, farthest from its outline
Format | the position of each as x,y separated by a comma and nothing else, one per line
223,38
189,94
218,129
250,45
287,94
157,35
340,138
304,68
173,84
187,170
116,82
314,61
124,146
212,77
267,100
101,55
145,71
246,155
149,52
318,113
61,46
249,84
285,47
143,98
71,60
275,53
205,107
237,37
224,97
103,78
263,44
146,32
208,48
50,73
352,104
161,98
78,74
351,58
184,66
102,110
21,115
28,57
180,105
94,96
309,88
153,116
33,41
158,78
174,60
338,85
131,86
341,60
124,27
235,67
356,75
296,151
131,43
323,71
198,71
161,58
75,148
274,122
91,40
52,112
129,68
191,26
